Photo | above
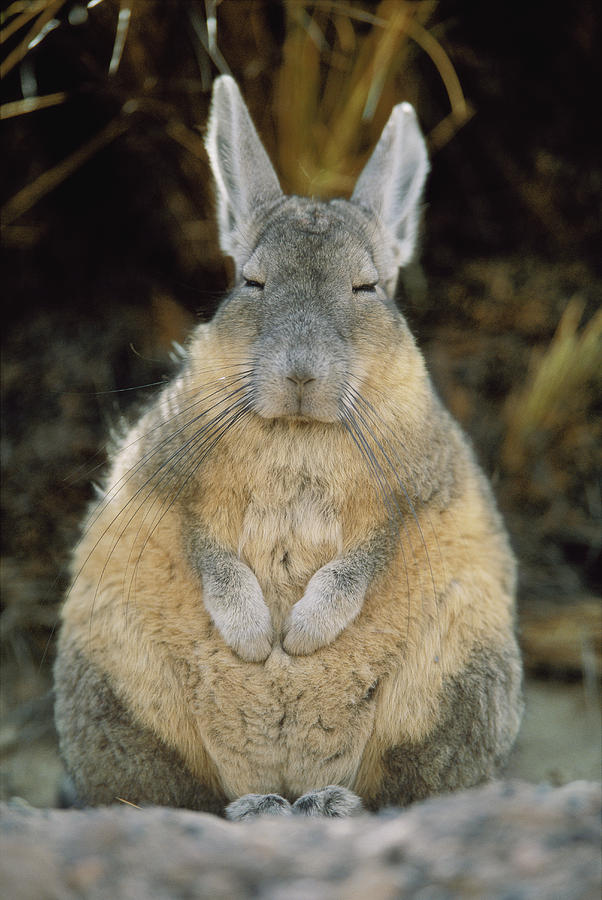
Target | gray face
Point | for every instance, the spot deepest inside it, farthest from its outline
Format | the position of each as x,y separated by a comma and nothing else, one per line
309,319
309,298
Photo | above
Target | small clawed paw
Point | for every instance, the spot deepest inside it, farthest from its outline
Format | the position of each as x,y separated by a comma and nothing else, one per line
252,805
332,801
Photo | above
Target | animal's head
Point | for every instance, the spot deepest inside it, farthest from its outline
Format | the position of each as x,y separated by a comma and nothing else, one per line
311,311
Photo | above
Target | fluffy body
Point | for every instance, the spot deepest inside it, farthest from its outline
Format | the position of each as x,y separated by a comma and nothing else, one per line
296,582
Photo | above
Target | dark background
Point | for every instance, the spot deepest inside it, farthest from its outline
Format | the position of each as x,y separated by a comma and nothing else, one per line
109,254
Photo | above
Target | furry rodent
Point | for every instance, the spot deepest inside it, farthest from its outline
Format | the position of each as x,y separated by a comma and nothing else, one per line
295,593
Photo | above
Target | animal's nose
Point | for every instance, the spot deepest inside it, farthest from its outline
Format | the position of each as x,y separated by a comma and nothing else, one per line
300,378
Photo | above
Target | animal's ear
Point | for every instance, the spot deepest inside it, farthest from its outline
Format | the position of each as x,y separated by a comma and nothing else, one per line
246,183
391,183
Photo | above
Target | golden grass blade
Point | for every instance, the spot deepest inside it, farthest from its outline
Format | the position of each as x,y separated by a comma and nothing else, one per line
29,11
15,57
347,10
444,131
123,25
558,383
191,140
296,99
443,64
205,30
31,104
369,73
337,84
128,803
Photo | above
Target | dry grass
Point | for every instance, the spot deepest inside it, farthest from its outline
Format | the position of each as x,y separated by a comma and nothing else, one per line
14,20
29,195
344,65
562,383
337,84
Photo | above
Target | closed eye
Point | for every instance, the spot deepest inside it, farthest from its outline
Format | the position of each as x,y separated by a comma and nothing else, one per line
365,288
250,282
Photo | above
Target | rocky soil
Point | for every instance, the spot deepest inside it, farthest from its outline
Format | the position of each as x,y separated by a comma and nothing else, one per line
506,840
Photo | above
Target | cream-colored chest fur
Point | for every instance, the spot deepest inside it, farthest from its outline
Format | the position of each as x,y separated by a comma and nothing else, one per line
287,533
292,723
281,505
280,723
284,724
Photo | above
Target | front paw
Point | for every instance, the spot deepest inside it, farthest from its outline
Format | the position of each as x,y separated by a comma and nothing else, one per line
243,619
304,630
326,608
253,638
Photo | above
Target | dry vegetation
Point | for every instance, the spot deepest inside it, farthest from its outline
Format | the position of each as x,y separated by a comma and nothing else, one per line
110,254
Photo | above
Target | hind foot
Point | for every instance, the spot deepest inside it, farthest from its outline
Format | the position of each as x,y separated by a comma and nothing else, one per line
252,805
333,801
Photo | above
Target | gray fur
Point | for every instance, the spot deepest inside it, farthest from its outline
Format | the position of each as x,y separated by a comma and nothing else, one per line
480,713
246,183
232,597
334,597
299,309
334,802
109,755
302,317
252,805
391,184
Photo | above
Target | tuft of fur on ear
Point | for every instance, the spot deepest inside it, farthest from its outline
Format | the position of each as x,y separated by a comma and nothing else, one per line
390,186
246,183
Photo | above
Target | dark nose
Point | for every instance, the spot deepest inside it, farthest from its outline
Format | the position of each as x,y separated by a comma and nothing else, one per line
300,378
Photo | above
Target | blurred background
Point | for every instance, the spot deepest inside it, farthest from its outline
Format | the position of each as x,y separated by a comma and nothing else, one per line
109,254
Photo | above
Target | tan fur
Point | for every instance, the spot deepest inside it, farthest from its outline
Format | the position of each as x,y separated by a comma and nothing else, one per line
143,622
308,585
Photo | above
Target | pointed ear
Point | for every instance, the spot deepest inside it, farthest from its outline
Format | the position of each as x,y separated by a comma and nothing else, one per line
246,183
391,183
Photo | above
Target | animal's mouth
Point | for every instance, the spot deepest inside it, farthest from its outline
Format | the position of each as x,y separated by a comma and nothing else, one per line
300,418
308,400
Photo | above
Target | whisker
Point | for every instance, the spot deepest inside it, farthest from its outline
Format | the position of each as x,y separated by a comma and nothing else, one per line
352,428
400,483
112,492
77,476
121,483
239,410
379,424
174,456
377,421
202,435
136,387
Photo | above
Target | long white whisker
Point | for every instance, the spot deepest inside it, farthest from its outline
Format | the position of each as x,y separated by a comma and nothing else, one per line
368,455
398,480
114,489
79,474
169,473
207,444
